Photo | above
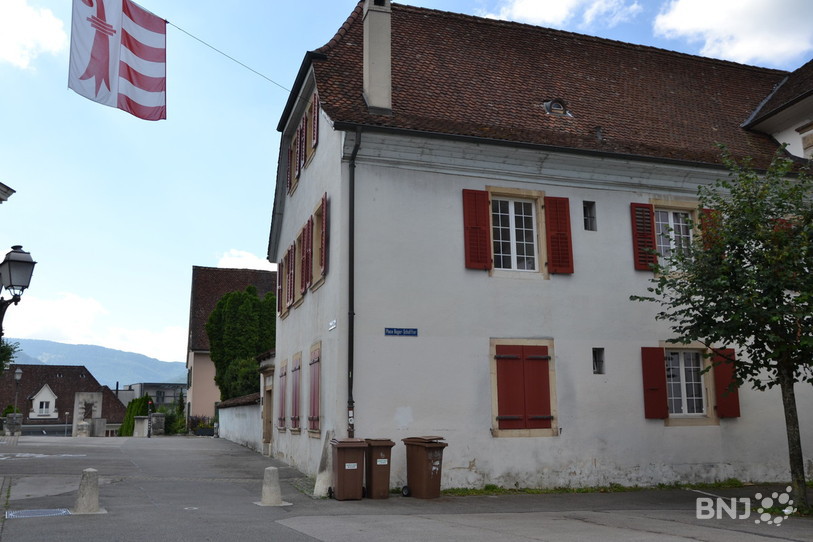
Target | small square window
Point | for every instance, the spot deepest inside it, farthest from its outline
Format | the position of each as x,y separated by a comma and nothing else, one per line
598,361
590,215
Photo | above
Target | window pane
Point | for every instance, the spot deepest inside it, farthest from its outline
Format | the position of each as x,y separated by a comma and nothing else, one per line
694,383
513,234
674,390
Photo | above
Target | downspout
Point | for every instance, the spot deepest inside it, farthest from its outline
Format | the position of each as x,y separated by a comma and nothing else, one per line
351,272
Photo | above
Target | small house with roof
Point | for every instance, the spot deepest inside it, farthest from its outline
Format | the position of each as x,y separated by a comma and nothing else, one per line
463,208
46,395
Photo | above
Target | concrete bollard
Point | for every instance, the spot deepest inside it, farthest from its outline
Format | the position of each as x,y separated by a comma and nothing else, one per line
87,500
272,496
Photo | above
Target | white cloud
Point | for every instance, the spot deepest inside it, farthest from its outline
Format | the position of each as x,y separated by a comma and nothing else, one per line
240,259
72,319
26,32
562,12
746,31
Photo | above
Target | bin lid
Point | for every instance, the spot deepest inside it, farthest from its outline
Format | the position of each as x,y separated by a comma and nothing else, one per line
348,443
380,442
422,439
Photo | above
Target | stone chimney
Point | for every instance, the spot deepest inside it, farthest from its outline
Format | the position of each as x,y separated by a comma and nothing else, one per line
378,56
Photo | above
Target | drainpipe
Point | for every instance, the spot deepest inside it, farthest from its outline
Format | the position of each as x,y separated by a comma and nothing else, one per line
351,303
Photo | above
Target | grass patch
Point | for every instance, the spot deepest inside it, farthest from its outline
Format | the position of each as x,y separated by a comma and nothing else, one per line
492,489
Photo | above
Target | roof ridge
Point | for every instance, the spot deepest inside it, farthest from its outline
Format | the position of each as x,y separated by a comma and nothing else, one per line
340,33
570,34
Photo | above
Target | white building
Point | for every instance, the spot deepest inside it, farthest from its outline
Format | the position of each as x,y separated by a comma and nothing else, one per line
461,206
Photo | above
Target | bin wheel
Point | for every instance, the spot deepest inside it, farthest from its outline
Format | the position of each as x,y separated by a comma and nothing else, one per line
405,491
330,493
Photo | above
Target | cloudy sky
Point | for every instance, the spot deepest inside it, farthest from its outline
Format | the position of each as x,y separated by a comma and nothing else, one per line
116,210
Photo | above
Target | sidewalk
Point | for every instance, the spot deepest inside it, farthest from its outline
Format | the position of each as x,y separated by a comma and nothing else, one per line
205,489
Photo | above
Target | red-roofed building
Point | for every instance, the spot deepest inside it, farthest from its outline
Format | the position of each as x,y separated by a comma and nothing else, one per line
460,209
45,393
209,284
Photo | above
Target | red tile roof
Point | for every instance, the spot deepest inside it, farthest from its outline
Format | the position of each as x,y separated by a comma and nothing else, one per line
65,381
209,284
459,75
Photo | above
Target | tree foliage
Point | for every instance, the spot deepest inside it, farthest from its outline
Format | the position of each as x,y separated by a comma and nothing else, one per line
240,327
746,280
8,352
137,407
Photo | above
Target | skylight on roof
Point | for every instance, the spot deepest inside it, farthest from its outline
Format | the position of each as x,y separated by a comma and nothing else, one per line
558,107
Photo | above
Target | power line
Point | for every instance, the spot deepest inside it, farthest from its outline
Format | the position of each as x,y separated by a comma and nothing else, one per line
229,57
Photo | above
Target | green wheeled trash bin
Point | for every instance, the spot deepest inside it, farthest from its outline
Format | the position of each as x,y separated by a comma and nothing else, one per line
379,452
424,461
348,469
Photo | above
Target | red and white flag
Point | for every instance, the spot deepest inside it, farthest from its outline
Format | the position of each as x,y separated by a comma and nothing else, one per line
118,56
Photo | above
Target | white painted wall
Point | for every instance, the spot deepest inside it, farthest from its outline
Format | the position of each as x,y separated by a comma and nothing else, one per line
410,273
243,425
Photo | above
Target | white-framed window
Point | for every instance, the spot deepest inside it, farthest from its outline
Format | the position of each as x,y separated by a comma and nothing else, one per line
685,386
45,408
514,234
673,232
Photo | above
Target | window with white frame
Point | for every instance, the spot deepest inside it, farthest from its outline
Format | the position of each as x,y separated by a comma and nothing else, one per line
514,234
685,389
45,408
673,232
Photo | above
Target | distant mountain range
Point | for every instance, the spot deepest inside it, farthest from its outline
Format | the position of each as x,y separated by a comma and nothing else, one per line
108,366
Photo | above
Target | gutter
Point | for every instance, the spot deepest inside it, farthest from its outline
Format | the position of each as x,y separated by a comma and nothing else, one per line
351,272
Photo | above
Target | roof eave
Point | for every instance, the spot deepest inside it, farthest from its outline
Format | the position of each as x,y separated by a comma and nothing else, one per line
310,56
352,126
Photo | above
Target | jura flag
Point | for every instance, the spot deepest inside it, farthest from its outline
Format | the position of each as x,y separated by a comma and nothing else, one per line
118,56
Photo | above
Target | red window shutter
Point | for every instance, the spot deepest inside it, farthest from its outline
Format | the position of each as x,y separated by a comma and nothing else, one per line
297,144
303,138
476,225
643,236
280,277
510,387
303,260
288,177
315,370
283,378
290,258
653,366
325,229
296,372
709,224
537,387
315,121
557,229
728,401
309,263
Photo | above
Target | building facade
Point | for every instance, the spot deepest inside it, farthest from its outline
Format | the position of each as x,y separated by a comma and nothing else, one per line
459,225
209,284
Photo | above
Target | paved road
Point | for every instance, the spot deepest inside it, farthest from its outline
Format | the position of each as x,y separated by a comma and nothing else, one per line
204,489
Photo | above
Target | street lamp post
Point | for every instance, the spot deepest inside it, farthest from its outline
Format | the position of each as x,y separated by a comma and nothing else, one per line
18,374
15,276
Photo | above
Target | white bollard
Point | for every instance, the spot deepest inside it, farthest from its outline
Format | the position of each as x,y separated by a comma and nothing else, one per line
272,496
87,500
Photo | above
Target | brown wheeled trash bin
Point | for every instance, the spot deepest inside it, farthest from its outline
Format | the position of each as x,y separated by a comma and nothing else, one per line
424,462
378,467
348,469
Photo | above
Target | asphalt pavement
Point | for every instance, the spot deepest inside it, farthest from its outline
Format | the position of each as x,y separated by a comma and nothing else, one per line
205,489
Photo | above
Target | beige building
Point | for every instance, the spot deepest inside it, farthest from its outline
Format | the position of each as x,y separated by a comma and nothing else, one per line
209,284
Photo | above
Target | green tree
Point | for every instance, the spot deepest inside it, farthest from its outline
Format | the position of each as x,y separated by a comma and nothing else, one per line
137,407
8,351
241,326
747,280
